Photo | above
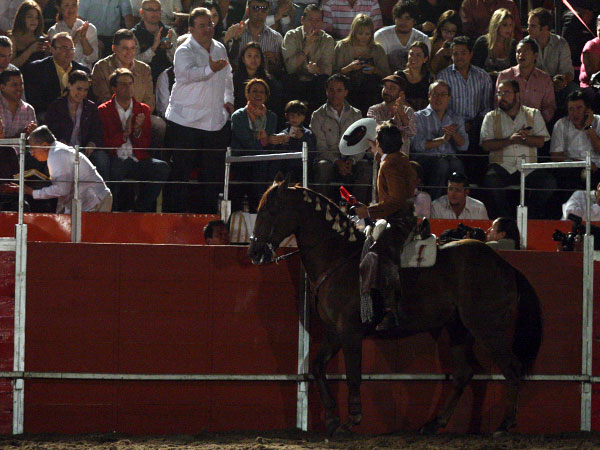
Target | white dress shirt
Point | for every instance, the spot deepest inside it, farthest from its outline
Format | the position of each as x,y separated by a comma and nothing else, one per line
91,35
199,95
474,209
574,143
61,166
576,205
126,149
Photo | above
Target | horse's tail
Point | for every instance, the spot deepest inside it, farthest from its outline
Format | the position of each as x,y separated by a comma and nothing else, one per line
528,327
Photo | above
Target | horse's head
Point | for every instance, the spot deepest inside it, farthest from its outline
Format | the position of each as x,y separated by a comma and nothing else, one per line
276,220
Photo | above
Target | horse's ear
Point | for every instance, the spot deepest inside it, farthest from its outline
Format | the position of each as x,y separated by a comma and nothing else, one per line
278,178
283,185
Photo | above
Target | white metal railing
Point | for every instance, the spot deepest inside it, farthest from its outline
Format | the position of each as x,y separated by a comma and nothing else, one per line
588,275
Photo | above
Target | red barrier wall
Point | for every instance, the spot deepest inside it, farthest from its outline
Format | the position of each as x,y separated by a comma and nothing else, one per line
192,309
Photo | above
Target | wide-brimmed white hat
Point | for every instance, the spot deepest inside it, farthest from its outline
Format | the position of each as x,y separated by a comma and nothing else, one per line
356,137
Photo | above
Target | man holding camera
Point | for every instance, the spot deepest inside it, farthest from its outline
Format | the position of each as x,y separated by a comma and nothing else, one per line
508,133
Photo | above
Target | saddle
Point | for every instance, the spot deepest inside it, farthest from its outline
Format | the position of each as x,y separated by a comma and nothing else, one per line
419,249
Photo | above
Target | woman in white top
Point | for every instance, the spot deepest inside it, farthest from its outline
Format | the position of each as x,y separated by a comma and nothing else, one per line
84,34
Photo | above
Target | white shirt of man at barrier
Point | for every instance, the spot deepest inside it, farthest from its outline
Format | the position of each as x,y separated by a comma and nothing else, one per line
576,205
457,204
94,194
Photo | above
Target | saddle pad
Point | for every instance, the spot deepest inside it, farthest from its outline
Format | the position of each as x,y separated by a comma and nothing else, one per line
419,252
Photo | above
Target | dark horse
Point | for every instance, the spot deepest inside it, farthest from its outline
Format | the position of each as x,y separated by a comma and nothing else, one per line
471,291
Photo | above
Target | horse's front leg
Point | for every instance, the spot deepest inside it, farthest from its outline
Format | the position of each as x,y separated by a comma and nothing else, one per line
352,347
329,348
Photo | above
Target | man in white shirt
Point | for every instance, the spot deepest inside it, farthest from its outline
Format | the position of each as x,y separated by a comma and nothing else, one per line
508,133
94,194
201,103
573,137
457,204
397,39
577,205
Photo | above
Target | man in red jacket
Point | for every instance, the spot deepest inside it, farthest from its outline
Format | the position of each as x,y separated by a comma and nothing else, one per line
127,126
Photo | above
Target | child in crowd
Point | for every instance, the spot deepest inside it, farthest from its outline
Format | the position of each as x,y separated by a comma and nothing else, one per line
295,113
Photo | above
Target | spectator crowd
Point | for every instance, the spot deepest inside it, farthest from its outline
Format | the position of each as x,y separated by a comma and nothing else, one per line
155,90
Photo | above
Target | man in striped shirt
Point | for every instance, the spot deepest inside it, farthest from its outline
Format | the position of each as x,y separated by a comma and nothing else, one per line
338,15
472,91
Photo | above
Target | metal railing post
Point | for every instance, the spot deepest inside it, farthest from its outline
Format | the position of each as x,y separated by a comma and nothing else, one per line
76,203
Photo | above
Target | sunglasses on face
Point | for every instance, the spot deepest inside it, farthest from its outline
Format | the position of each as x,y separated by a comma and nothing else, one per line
259,8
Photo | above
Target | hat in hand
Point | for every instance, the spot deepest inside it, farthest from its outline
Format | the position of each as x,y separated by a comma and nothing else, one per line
356,138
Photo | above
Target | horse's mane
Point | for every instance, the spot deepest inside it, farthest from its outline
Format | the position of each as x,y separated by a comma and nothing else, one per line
330,212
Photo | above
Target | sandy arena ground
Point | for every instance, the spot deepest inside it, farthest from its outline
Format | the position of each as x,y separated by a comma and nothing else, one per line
294,440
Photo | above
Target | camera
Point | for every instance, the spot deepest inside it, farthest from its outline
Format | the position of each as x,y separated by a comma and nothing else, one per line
569,240
462,231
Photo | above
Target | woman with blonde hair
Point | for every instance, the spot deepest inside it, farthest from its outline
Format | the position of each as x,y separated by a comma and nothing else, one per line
448,27
495,51
27,34
362,60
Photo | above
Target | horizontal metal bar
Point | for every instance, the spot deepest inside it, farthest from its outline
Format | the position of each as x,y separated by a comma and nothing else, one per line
267,377
8,244
11,141
552,165
267,157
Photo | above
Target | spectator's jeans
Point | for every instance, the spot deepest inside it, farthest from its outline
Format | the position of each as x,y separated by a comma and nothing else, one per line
497,178
325,173
148,169
437,168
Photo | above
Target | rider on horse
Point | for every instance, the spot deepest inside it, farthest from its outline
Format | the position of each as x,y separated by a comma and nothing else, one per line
396,183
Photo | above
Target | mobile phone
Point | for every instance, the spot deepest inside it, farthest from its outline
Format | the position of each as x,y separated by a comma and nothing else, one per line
42,38
528,128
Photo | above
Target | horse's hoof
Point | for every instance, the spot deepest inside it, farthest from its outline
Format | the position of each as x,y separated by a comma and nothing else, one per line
429,428
499,434
344,431
331,426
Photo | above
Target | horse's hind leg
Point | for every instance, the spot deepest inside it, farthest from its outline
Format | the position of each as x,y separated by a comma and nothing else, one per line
330,346
352,347
462,371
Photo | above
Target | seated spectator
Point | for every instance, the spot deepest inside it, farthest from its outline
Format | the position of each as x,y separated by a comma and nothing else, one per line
440,135
476,15
472,89
457,204
429,12
251,64
397,39
124,51
422,198
573,138
8,11
339,14
362,60
256,30
308,54
508,133
17,116
217,19
167,13
295,113
6,54
84,34
127,129
495,51
46,79
156,41
328,123
504,234
590,59
254,127
554,57
577,205
60,158
448,27
164,86
216,233
27,34
417,75
74,120
394,108
106,15
284,15
536,85
576,34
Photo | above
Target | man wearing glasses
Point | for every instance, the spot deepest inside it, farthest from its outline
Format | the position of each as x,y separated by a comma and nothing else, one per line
156,41
46,79
256,30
